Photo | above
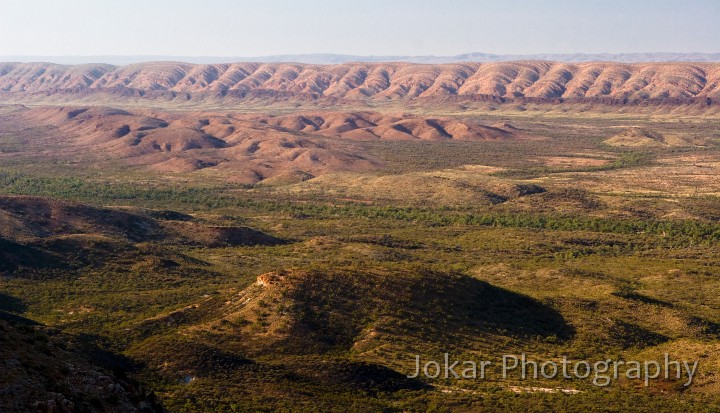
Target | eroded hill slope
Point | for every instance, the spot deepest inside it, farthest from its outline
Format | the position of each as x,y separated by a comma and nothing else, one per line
376,81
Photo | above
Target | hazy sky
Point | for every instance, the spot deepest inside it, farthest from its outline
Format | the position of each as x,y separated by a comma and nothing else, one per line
364,27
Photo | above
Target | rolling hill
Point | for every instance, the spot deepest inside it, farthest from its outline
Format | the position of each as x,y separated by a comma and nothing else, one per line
282,327
640,137
38,232
247,147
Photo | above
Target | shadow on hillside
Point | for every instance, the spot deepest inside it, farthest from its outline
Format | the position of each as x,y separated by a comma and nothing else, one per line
11,307
466,304
14,255
93,347
332,310
11,304
367,378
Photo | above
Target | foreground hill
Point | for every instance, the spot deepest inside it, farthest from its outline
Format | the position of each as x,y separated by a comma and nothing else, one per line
363,81
46,371
274,334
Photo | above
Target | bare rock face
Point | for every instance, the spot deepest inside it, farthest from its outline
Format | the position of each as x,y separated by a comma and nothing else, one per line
270,279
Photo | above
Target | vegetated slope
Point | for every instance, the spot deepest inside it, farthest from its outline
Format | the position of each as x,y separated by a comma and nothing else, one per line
26,218
274,334
39,232
443,187
323,312
376,81
45,371
351,310
640,137
248,148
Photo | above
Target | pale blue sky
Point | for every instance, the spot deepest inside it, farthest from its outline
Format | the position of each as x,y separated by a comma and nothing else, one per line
362,27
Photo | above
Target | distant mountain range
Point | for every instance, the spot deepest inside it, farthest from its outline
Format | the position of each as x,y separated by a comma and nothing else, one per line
341,58
365,81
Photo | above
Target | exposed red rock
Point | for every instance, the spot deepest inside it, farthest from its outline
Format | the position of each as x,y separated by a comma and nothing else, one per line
377,81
